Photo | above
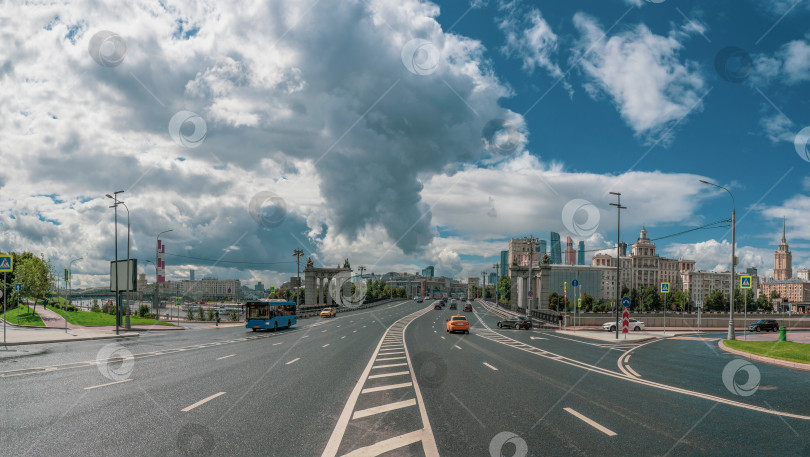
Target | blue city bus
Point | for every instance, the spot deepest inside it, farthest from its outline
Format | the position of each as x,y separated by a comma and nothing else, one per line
269,314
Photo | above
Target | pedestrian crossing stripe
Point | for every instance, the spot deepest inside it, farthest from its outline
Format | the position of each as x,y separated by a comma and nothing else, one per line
6,264
694,338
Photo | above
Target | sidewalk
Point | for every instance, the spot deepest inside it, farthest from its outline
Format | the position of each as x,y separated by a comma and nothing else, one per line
18,335
610,337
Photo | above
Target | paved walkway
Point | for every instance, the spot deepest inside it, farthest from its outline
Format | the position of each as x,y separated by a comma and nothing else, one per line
17,335
52,319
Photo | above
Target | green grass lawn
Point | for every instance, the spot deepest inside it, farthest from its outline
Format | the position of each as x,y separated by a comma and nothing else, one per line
23,316
783,350
92,319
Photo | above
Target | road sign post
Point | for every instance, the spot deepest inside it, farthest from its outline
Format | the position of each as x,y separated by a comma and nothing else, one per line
665,291
625,315
6,266
745,285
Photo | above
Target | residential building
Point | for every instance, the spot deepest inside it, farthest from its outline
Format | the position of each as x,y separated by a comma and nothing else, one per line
644,268
782,259
700,284
428,271
803,275
519,252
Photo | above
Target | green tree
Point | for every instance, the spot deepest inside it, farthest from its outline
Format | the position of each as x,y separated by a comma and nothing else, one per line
651,299
35,275
505,288
553,300
764,303
775,294
716,301
587,301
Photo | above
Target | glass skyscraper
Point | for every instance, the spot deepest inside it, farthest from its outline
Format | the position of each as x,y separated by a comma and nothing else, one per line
556,249
504,263
581,253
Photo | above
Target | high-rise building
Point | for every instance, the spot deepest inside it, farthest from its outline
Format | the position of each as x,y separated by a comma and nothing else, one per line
428,271
541,249
493,278
782,259
581,253
504,263
191,275
259,286
570,255
623,249
556,250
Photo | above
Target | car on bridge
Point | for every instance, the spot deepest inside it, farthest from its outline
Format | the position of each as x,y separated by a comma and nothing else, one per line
453,305
329,312
437,306
763,324
458,323
635,325
516,322
468,307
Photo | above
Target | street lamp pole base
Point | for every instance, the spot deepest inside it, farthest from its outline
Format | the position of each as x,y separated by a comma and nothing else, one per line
731,335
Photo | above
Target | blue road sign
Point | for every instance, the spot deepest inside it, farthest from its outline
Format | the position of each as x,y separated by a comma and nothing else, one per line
497,293
626,302
575,283
664,287
6,263
18,287
745,282
530,294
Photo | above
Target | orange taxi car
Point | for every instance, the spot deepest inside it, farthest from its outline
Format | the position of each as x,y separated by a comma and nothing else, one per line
458,323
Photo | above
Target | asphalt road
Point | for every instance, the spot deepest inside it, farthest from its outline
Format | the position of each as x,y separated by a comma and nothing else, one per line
390,381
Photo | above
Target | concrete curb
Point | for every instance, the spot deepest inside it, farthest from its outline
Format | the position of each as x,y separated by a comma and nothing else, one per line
20,325
104,337
763,359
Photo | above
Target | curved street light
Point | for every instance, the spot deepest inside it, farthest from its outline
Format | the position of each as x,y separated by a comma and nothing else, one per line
731,335
70,285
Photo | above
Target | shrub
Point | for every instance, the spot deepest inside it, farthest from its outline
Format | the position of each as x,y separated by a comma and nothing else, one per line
189,314
211,313
143,310
96,308
201,314
234,315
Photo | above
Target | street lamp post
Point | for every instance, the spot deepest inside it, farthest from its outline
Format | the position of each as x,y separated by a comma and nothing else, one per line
619,209
731,335
497,267
128,276
70,285
298,253
156,295
114,197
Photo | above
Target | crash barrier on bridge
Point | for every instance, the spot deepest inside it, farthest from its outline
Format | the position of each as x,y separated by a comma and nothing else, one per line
314,311
539,318
690,321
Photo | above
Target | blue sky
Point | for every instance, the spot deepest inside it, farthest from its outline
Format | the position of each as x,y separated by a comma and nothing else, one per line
403,133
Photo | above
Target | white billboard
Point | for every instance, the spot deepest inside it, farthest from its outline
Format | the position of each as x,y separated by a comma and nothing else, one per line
132,283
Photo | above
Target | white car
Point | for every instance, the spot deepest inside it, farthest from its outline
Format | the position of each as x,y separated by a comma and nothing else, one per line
635,325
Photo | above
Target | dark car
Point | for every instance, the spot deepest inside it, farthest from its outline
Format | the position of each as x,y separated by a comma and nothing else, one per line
468,307
437,306
516,322
763,324
453,305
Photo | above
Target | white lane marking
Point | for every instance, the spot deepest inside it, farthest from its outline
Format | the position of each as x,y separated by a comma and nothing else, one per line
591,422
632,371
490,366
293,360
204,400
225,357
327,344
323,331
383,408
537,338
388,445
389,365
435,331
391,358
344,336
276,344
456,346
388,387
443,338
108,384
354,331
305,336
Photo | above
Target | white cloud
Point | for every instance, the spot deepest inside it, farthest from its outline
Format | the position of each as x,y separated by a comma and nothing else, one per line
642,73
532,40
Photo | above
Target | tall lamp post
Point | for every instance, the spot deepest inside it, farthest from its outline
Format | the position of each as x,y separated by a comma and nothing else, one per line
497,268
619,209
128,276
155,295
298,253
731,335
70,284
114,197
157,284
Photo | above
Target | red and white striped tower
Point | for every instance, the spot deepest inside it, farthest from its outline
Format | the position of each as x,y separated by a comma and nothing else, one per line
161,262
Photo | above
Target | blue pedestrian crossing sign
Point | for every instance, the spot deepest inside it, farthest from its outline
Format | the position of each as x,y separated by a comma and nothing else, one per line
6,263
664,287
17,287
626,302
745,282
178,301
